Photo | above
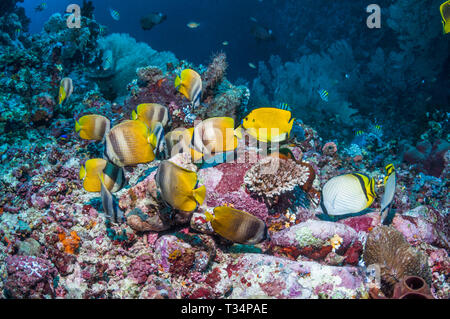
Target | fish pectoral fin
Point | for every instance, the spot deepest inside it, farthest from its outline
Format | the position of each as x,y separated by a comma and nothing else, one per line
199,194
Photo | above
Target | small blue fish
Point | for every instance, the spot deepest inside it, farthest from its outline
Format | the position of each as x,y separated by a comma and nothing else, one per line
64,137
17,33
114,14
323,94
359,133
41,7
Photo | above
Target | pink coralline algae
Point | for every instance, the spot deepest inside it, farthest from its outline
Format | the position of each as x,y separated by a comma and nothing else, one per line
141,267
29,277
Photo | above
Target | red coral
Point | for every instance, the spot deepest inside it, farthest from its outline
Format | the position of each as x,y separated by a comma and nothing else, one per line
352,254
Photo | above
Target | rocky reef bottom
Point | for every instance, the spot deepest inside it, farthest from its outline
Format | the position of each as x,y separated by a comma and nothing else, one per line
56,243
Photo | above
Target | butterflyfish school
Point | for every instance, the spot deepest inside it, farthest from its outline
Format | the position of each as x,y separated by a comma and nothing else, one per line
214,135
113,176
150,113
347,194
92,127
189,83
389,191
269,124
237,226
129,144
179,141
445,14
65,90
178,187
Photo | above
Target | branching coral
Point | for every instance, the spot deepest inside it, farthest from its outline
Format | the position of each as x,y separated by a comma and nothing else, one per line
272,177
214,75
388,248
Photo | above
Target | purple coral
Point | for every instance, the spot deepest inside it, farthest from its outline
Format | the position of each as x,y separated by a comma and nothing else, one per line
29,277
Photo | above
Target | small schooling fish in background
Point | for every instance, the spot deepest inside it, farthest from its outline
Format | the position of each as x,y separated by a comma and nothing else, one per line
41,7
323,94
193,25
114,14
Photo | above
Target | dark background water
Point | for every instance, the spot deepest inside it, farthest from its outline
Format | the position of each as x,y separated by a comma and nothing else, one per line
220,20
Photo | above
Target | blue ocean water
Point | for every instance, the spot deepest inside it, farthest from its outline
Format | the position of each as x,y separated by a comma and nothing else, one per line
220,21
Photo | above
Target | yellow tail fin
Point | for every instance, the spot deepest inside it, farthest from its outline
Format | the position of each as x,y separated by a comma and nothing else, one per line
82,172
238,132
209,216
153,140
199,194
77,126
290,124
177,82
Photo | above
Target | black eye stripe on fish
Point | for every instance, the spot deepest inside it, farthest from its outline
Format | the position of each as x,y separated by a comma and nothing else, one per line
363,185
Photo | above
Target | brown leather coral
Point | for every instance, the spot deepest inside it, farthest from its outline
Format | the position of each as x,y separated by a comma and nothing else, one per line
397,259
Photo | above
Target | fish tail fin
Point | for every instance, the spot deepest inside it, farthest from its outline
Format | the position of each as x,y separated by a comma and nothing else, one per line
290,125
77,126
238,132
82,172
199,194
209,216
153,140
177,82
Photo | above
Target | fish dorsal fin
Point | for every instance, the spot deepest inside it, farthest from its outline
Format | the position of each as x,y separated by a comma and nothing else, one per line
445,11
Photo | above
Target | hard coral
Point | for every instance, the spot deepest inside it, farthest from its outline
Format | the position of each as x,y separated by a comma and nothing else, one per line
214,75
388,248
272,177
29,277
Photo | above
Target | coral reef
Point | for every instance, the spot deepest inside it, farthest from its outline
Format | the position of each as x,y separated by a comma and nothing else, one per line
388,248
56,242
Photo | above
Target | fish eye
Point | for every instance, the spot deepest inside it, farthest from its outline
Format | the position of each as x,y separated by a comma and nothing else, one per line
246,118
253,120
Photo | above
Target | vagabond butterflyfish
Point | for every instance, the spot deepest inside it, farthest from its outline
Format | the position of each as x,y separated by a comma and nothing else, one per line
389,191
347,194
